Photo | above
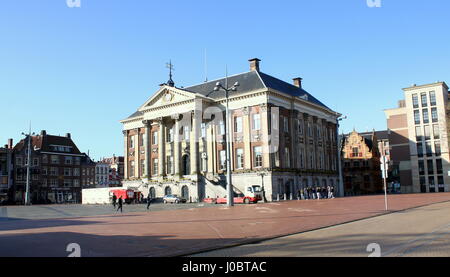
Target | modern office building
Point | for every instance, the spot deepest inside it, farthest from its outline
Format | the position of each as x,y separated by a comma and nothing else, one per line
419,138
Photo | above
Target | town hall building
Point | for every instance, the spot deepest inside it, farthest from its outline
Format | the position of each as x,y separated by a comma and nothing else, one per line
283,138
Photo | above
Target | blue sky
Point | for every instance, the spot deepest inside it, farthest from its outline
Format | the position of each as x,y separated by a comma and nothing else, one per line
81,70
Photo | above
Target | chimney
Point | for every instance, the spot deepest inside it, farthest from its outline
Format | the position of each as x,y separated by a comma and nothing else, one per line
254,64
10,143
68,135
43,133
298,82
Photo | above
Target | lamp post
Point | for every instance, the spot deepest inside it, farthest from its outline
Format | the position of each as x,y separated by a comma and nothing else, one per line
28,165
228,136
339,144
262,174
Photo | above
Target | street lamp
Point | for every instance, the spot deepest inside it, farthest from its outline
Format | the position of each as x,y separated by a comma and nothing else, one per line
262,174
341,183
228,136
28,165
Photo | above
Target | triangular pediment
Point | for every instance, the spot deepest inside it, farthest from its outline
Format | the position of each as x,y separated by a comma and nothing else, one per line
167,96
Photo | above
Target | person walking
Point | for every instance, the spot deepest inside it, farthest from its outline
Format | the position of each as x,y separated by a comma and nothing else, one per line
318,193
149,200
120,202
114,200
332,192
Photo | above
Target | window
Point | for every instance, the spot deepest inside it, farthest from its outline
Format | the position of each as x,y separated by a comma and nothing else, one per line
434,115
419,150
170,135
355,152
67,171
170,165
431,184
421,168
423,96
44,171
430,167
131,171
239,158
223,160
286,124
426,118
67,182
427,132
301,158
428,148
238,124
76,183
44,159
256,122
300,127
53,171
77,160
53,182
419,135
221,128
257,150
68,160
155,166
432,98
439,166
437,148
203,130
35,162
76,172
186,133
143,171
287,158
436,131
55,159
416,117
415,100
155,138
309,129
132,142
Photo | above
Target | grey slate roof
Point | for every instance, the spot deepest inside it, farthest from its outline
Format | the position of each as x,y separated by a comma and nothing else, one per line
249,81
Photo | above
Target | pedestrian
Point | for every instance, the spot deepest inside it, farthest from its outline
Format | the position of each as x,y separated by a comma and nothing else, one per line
318,193
324,192
329,191
114,200
313,193
332,192
120,202
149,200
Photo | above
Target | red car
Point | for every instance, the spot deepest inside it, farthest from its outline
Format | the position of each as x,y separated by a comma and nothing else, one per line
240,199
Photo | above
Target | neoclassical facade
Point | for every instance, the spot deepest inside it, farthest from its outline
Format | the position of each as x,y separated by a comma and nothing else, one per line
282,137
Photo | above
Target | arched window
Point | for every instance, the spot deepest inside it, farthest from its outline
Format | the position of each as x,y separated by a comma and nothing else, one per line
185,192
186,165
168,191
152,193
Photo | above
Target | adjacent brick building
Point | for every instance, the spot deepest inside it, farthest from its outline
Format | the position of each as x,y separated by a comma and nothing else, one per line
6,172
56,170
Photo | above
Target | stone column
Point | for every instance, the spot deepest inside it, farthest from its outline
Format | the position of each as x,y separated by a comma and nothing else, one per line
126,154
196,120
148,147
161,148
176,147
137,155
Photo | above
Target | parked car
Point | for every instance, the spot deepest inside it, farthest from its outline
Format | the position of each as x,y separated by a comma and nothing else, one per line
173,198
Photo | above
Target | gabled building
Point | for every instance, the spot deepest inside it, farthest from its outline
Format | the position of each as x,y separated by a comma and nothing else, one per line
175,142
55,170
361,164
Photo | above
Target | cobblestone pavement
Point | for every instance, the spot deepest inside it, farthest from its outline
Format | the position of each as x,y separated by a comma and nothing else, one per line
420,232
175,232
